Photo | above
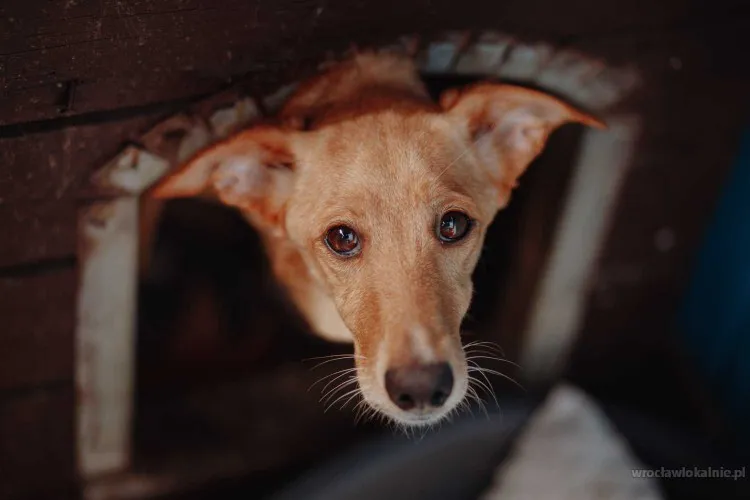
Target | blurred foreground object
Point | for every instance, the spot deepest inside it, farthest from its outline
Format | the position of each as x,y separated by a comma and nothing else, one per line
566,449
571,451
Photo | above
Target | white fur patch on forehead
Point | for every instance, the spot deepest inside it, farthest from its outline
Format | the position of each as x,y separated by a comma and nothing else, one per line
422,348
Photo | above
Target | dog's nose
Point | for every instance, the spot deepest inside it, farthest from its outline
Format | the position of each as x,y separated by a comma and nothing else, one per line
419,386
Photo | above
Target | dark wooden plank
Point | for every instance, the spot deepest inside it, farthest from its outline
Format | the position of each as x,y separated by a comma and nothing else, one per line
66,99
37,444
48,167
93,55
179,48
37,336
37,230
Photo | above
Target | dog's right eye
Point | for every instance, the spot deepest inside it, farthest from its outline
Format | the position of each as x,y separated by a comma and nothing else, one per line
453,226
343,240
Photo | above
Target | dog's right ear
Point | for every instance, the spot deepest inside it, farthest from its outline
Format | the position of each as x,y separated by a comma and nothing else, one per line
252,170
508,126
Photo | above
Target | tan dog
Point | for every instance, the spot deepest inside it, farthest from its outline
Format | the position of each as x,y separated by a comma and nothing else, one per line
373,203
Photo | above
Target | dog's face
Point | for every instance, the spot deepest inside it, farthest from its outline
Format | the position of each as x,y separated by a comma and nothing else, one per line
394,227
389,211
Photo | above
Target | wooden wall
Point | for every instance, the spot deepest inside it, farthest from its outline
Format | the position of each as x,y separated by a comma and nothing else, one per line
79,79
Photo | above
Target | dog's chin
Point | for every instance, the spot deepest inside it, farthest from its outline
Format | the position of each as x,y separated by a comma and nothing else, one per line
418,421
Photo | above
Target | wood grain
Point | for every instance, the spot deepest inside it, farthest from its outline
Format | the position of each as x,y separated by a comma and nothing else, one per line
37,231
64,59
37,330
37,444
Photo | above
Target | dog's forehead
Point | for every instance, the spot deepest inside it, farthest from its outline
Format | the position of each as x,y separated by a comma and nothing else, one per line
388,152
384,168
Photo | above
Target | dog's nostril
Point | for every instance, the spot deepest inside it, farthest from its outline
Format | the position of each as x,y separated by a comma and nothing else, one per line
419,386
405,402
438,398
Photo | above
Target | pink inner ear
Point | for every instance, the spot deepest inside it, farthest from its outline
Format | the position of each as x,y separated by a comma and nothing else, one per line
528,138
239,178
524,132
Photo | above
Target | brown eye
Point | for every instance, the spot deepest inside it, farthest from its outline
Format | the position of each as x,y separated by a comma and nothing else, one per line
453,227
343,241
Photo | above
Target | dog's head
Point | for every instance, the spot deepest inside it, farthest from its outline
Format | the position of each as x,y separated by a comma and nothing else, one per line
388,209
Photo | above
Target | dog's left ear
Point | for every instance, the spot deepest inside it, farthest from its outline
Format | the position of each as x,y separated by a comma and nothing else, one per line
253,171
509,125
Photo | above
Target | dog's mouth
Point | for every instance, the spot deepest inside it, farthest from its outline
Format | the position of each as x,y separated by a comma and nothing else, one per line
423,418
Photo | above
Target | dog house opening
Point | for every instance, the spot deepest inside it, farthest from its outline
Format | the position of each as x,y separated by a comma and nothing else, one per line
221,367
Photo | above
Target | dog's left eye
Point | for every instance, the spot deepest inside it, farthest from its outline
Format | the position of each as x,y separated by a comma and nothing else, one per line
343,241
453,226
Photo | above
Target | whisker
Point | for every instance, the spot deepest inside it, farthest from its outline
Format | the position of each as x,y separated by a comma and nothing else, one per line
496,359
483,349
479,401
329,356
345,370
329,361
353,391
348,400
332,394
478,350
461,407
340,375
470,396
490,343
487,387
327,396
487,344
467,408
361,410
494,372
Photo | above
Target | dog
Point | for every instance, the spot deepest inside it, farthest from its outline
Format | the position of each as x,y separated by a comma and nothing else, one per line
373,202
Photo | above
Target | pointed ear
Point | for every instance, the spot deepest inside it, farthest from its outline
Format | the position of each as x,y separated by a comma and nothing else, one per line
252,170
509,125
